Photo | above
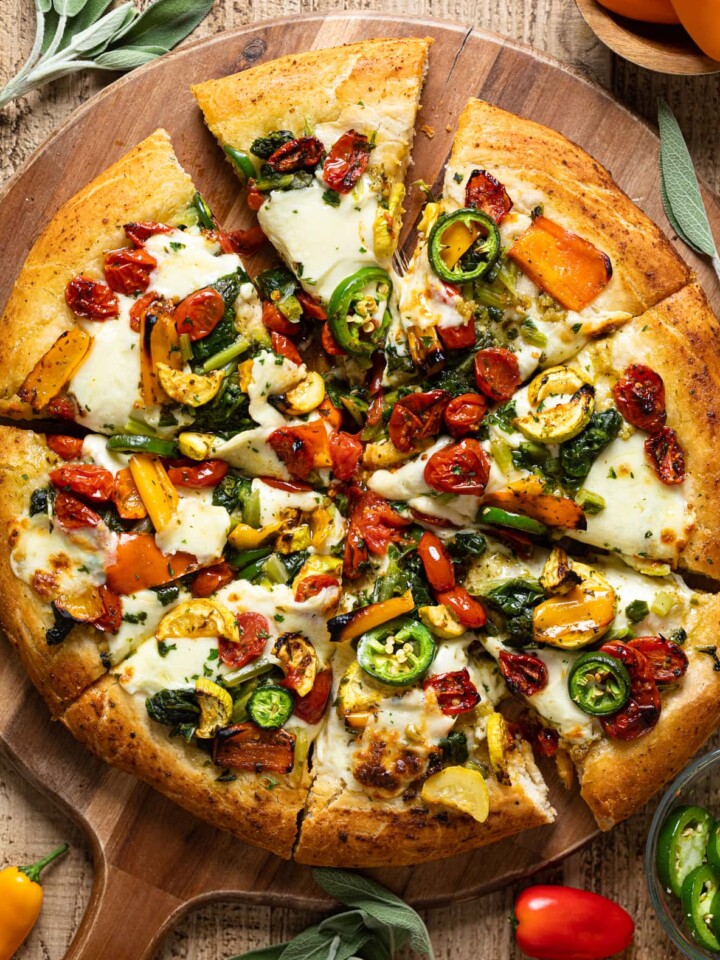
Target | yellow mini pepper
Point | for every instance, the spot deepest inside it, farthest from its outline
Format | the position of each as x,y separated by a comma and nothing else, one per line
21,897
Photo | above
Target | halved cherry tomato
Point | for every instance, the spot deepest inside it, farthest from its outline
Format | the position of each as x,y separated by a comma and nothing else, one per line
254,633
246,243
211,579
62,408
373,526
347,161
523,673
331,413
642,711
72,514
640,397
459,468
311,586
139,309
669,662
128,270
311,308
285,348
292,486
486,193
86,480
111,619
139,232
199,314
276,322
465,413
255,198
425,518
330,344
497,373
311,707
91,299
346,453
207,473
666,456
458,338
304,153
297,447
436,560
126,496
467,609
69,448
455,692
416,417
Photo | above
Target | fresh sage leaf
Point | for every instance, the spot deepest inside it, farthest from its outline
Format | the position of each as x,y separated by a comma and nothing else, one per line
352,930
263,953
127,58
165,23
68,8
311,944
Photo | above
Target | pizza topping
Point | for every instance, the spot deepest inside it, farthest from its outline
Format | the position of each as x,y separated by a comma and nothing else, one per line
313,585
527,496
486,193
467,609
302,448
666,456
246,243
459,788
91,299
245,746
455,692
561,263
464,414
208,473
127,271
189,389
397,653
199,314
523,672
69,448
311,707
599,684
303,153
640,398
54,369
215,705
298,661
270,706
253,634
140,443
346,453
347,161
139,562
357,313
209,581
458,338
461,468
157,492
199,617
416,417
72,514
285,348
310,307
669,662
436,561
559,422
139,232
463,245
86,480
61,408
642,711
497,373
580,616
373,526
348,626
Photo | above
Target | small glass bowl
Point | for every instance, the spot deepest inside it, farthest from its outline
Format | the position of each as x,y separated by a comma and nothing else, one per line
697,785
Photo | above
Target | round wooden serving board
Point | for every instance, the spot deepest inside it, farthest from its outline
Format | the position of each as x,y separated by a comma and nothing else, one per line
152,860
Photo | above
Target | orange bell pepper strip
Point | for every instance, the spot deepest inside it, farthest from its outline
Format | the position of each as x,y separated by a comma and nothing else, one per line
331,413
527,496
348,626
126,496
701,19
55,368
159,343
155,488
650,11
572,270
140,564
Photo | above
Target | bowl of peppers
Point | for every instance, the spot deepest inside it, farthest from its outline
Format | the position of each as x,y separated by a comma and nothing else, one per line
682,860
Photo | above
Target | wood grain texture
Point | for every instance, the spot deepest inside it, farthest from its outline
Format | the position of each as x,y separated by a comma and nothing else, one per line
613,865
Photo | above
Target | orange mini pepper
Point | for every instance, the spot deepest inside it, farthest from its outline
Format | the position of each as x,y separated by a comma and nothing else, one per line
651,11
701,19
21,897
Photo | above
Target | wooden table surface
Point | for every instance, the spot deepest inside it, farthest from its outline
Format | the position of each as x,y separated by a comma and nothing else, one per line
29,824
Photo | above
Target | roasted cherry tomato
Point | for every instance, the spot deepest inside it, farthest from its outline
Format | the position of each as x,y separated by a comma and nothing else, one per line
140,231
523,672
304,153
243,242
211,579
546,741
254,633
292,486
347,161
669,662
666,456
128,270
416,417
91,299
458,338
110,620
330,344
62,408
69,448
486,193
297,447
311,308
86,480
332,415
277,322
199,314
562,923
459,468
455,692
255,198
436,560
139,309
311,586
497,373
373,526
72,514
640,397
311,707
346,453
464,414
285,348
207,473
469,611
642,710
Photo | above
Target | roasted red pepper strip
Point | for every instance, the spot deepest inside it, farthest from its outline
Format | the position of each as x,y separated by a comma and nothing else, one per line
245,746
311,707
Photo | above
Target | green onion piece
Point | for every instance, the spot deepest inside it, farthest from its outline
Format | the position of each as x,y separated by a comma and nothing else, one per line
590,502
637,611
251,509
619,633
137,426
291,308
302,746
186,350
136,443
205,215
502,518
242,558
239,711
255,669
488,296
219,359
243,165
531,334
275,570
663,602
274,183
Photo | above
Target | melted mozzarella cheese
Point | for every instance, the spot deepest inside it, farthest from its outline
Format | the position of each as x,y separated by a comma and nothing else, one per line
271,376
407,481
193,262
249,452
196,527
274,502
142,612
148,670
413,711
64,562
95,450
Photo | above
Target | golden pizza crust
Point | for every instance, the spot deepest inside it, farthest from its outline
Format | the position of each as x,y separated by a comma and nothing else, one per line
579,193
115,726
616,778
147,183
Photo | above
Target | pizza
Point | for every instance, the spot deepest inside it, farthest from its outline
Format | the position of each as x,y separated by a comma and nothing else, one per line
338,549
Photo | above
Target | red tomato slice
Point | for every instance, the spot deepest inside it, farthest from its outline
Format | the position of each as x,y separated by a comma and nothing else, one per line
304,153
139,232
62,408
297,447
642,711
72,514
486,193
497,373
285,348
211,579
311,308
254,633
330,345
346,453
347,161
311,586
666,456
458,338
373,526
128,270
436,560
455,692
311,707
467,609
523,673
669,661
199,314
276,322
460,468
640,398
207,473
465,413
91,299
245,243
86,480
69,448
416,417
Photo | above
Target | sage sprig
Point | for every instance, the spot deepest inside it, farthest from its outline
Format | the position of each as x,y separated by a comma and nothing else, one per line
73,35
377,925
681,195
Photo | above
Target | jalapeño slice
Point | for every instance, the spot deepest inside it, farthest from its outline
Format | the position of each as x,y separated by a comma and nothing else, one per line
699,898
682,844
270,706
398,653
350,293
599,684
482,253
